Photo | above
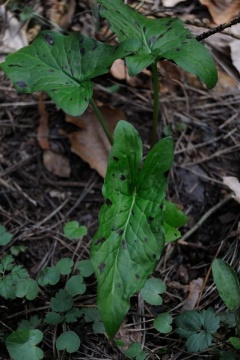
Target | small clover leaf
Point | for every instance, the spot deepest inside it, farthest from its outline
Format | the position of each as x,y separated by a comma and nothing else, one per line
49,276
75,285
5,236
28,288
135,352
235,341
72,315
64,266
68,341
30,324
72,230
198,328
62,301
53,318
85,267
151,290
21,344
162,323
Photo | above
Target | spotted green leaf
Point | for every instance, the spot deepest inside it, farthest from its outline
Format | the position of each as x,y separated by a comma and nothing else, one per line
63,66
130,238
164,38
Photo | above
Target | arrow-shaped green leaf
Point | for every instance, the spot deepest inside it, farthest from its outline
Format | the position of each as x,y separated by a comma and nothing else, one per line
63,67
165,38
130,238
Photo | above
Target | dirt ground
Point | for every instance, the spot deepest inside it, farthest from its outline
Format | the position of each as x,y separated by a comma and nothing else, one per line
35,204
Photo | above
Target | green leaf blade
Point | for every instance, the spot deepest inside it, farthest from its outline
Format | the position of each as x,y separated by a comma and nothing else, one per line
63,66
130,238
227,283
165,38
21,345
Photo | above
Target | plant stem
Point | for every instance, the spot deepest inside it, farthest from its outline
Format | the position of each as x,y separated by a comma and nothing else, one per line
155,103
101,120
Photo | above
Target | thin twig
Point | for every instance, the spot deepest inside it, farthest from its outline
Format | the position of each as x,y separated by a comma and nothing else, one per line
204,218
218,29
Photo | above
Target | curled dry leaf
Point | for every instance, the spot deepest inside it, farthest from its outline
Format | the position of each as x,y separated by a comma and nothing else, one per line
43,129
56,163
91,143
222,10
233,184
195,287
118,69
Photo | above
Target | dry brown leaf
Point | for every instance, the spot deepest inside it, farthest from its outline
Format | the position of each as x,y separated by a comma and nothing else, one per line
91,143
118,69
234,185
43,129
195,287
56,163
222,10
171,3
13,33
61,12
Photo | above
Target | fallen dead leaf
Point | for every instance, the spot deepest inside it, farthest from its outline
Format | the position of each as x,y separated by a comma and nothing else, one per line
118,69
234,185
222,10
61,12
57,164
195,287
13,33
43,129
91,143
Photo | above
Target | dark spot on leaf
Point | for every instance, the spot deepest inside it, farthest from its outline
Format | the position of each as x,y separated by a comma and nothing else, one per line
14,65
166,173
101,267
169,28
144,29
50,70
132,212
151,41
145,239
67,83
113,175
65,67
72,72
124,244
177,49
160,36
175,234
154,256
115,158
185,42
120,231
135,241
70,99
122,177
95,45
161,206
169,23
49,39
21,84
83,51
188,36
137,24
112,229
100,241
150,218
137,276
81,40
122,32
119,286
108,202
